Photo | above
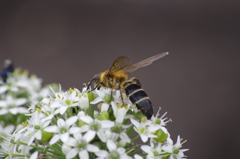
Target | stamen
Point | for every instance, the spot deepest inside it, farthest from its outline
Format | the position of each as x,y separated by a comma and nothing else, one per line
163,114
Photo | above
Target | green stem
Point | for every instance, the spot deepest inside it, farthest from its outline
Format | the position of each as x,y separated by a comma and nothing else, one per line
134,152
135,138
132,140
131,149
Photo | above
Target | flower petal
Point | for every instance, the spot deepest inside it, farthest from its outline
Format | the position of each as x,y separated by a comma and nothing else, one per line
54,139
144,137
102,136
34,155
89,135
83,154
8,129
64,137
72,153
65,149
3,89
3,103
21,101
86,119
61,123
38,134
146,148
111,145
3,111
106,124
22,110
104,107
96,100
52,128
70,121
74,130
63,109
13,110
136,156
77,136
85,128
92,148
125,137
135,123
102,153
71,142
120,115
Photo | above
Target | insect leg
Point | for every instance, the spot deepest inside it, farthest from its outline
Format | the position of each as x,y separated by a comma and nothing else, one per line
89,83
121,95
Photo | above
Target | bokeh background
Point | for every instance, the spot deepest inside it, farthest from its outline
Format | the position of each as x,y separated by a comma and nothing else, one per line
198,83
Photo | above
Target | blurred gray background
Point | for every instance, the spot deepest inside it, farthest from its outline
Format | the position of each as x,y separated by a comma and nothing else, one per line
198,83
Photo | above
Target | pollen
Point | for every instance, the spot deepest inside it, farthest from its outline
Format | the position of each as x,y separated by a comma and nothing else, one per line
25,123
39,110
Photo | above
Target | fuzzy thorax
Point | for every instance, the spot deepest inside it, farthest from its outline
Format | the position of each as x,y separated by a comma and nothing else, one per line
113,79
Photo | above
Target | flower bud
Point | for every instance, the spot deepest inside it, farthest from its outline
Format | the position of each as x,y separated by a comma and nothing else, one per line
107,98
46,136
80,123
161,136
103,115
90,96
139,115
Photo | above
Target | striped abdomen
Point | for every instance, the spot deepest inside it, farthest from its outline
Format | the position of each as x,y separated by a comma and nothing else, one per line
138,96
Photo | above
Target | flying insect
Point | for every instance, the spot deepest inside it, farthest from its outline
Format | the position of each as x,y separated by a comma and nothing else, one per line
8,68
117,78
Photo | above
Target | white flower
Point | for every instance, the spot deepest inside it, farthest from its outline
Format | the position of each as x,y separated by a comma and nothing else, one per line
7,147
159,121
49,112
98,126
106,95
11,105
174,150
83,101
101,134
62,130
153,151
34,128
119,128
114,152
65,100
79,144
144,130
119,111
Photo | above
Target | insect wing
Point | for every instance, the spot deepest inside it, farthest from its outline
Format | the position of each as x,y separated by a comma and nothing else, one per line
121,63
144,63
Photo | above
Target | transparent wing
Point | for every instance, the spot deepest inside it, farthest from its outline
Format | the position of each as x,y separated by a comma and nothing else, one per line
144,63
121,63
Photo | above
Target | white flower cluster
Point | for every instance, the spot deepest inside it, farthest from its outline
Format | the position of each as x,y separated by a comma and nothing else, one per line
17,91
91,124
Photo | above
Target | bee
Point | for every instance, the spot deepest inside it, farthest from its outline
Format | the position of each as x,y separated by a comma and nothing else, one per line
117,78
8,68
